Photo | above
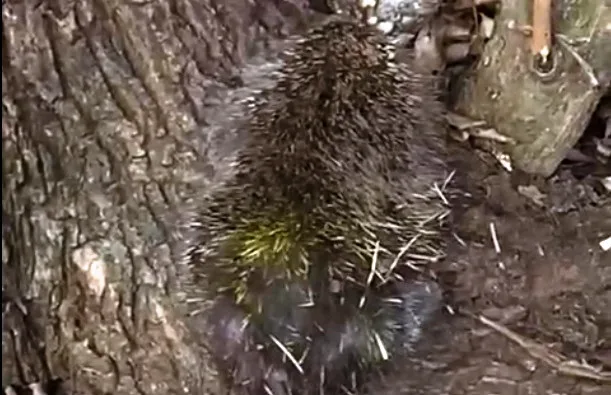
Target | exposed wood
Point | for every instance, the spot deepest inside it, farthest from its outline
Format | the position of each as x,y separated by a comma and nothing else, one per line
541,43
544,111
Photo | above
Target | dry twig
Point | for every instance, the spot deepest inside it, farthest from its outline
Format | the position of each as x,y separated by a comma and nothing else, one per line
541,43
555,360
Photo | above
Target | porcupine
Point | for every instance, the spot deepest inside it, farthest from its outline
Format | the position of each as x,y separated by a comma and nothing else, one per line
304,251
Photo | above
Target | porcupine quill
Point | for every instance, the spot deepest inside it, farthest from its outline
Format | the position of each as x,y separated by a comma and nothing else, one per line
304,254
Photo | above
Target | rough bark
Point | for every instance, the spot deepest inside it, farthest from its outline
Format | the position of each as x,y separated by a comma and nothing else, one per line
108,112
545,115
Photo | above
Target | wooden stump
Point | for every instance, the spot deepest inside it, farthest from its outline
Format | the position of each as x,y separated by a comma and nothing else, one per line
545,113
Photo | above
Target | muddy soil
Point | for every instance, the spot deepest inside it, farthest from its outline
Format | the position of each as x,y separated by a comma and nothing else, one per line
550,284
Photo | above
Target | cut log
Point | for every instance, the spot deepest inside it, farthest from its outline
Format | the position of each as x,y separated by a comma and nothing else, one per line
545,110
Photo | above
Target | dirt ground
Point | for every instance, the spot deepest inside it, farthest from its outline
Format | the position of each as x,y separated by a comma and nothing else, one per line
549,287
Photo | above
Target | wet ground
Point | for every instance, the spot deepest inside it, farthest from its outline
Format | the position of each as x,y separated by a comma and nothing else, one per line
530,288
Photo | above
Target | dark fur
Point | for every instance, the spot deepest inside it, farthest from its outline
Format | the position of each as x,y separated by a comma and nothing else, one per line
348,141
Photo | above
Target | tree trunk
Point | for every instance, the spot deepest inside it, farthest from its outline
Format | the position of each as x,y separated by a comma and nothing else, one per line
545,114
106,120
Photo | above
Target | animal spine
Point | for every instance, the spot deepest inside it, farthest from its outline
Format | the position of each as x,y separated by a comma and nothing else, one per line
303,252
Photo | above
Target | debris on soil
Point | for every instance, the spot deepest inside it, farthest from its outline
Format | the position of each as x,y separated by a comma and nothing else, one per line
542,353
595,144
533,193
535,275
468,128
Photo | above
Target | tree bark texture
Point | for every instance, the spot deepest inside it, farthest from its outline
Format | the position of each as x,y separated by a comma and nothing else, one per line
545,114
108,112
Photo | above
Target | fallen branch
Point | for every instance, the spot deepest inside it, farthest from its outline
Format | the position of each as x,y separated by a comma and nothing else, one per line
555,360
